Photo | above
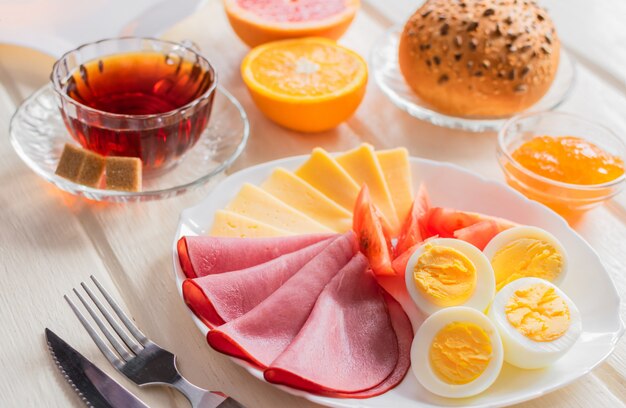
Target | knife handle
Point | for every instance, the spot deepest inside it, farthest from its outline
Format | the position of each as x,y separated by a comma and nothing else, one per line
201,398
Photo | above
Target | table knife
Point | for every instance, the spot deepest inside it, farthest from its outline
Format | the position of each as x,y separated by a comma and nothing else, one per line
94,386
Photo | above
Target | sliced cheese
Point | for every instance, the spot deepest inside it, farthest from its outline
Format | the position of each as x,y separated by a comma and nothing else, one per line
397,171
299,194
230,224
362,165
255,203
326,175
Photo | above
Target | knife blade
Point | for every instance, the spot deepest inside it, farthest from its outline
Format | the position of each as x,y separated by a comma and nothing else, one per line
92,385
230,403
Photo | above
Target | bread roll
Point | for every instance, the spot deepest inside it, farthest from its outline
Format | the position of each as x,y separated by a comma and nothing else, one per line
479,58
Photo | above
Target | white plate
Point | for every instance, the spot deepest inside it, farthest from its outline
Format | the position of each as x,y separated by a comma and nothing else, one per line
587,283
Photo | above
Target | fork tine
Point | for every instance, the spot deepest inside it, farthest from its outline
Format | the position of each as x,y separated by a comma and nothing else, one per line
105,330
134,330
108,353
132,344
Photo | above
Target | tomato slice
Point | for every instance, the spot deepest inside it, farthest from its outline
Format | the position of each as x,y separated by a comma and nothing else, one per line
413,229
425,222
400,261
445,221
480,233
372,237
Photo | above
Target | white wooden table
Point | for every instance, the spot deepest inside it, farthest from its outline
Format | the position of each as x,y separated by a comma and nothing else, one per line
50,240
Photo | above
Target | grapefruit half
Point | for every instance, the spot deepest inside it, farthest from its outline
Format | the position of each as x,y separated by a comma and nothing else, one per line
259,21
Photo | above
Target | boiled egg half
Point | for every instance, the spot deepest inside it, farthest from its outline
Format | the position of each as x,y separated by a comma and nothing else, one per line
537,322
447,272
521,252
457,353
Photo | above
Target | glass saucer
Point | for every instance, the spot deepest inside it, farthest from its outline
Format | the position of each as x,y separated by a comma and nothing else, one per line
38,135
384,62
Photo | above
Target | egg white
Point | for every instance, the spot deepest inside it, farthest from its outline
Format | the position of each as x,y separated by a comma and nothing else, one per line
515,233
521,351
420,353
485,281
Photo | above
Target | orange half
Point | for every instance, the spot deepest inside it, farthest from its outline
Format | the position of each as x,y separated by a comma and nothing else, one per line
306,84
257,22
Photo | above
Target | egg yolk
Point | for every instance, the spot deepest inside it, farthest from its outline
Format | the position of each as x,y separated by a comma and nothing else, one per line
445,276
569,159
526,257
460,352
538,312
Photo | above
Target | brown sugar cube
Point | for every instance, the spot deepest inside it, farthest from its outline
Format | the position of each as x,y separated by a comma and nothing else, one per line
123,173
91,170
80,166
70,162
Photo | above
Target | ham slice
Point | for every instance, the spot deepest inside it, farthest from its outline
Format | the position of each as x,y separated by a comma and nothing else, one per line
348,343
404,333
203,255
220,298
263,333
396,287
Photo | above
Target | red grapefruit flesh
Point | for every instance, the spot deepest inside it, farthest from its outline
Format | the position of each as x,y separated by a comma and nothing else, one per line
259,21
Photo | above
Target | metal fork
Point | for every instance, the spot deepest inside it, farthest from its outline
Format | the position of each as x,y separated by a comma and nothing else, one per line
138,358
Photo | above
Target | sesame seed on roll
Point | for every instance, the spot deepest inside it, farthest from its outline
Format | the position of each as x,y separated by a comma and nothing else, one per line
479,58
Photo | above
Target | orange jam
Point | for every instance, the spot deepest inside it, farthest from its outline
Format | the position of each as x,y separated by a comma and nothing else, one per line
569,159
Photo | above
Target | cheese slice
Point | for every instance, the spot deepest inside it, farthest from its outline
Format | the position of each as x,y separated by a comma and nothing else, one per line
230,224
255,203
397,171
362,165
299,194
326,175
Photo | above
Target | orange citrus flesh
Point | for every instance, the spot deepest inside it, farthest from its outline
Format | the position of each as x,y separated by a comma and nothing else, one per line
257,22
569,159
308,84
305,70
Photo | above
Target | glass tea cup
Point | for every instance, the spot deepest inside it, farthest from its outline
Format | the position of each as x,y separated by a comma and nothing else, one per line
135,97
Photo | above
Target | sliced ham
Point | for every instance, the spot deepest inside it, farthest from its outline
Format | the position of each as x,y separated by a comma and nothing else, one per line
204,255
263,333
347,344
396,287
404,333
220,298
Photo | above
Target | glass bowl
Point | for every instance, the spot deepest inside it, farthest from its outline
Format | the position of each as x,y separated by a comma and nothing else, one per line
154,103
569,200
386,72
